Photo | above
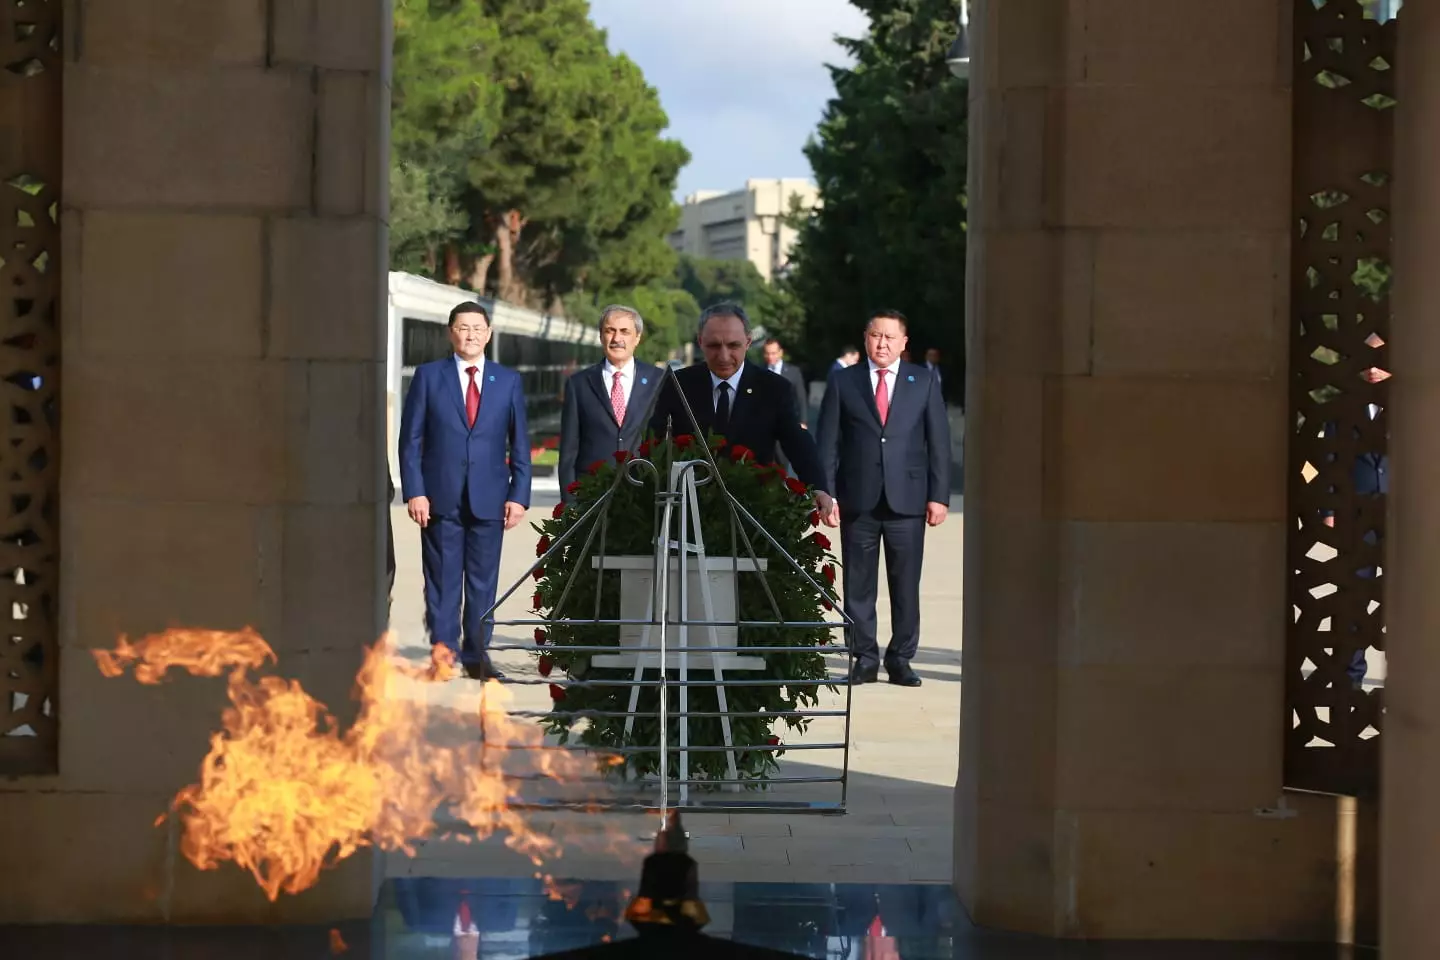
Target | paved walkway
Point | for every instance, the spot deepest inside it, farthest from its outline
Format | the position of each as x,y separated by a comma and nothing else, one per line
905,746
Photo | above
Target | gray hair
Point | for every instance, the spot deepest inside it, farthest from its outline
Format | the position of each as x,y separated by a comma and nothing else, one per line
724,309
618,308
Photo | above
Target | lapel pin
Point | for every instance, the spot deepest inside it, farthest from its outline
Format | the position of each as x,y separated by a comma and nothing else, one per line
644,380
492,378
748,390
911,379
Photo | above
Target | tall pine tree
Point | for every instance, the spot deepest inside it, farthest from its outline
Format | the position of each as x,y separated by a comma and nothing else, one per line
889,158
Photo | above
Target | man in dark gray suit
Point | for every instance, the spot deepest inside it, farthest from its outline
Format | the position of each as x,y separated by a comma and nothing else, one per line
605,404
774,355
885,448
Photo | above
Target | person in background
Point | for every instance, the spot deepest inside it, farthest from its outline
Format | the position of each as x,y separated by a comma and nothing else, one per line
605,404
465,477
848,358
885,449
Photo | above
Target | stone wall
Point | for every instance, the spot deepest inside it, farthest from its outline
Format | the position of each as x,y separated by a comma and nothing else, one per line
221,418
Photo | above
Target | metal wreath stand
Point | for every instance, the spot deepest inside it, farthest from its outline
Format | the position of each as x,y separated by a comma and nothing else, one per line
678,499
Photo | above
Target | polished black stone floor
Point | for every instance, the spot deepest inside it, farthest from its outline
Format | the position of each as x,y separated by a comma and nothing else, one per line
416,919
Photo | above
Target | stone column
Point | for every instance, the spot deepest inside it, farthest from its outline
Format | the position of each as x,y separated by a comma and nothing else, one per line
1410,771
221,425
1120,771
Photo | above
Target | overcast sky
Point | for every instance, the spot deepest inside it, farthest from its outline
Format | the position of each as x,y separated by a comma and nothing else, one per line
744,81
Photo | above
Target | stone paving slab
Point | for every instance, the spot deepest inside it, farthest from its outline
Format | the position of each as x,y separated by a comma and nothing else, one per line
903,760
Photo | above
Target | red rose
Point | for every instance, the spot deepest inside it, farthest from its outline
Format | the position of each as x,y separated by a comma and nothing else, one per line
814,518
557,692
559,511
539,637
538,573
573,486
795,486
622,455
827,605
717,443
535,600
542,546
739,453
595,467
644,449
821,541
684,440
773,741
829,572
546,665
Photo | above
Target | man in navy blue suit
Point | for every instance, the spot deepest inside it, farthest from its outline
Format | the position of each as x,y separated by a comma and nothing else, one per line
465,476
605,403
885,448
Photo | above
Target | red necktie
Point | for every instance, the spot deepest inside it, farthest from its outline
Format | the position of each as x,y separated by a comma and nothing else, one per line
472,398
617,399
882,396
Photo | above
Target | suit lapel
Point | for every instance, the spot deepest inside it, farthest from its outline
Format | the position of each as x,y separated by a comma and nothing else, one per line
743,404
646,380
450,383
860,374
697,391
595,376
490,396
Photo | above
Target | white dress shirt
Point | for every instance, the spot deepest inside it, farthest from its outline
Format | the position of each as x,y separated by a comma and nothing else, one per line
733,380
461,365
778,367
889,380
627,379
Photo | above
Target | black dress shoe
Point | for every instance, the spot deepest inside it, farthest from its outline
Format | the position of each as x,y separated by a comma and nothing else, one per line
903,676
483,671
862,674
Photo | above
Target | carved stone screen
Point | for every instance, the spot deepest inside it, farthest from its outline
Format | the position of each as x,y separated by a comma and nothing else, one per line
30,100
1339,468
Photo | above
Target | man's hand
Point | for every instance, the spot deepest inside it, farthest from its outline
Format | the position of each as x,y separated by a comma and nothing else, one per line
829,509
514,513
419,510
935,513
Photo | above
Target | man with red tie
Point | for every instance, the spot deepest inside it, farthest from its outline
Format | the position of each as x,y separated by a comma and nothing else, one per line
884,442
465,477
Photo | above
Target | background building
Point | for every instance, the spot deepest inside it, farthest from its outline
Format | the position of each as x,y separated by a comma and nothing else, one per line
745,224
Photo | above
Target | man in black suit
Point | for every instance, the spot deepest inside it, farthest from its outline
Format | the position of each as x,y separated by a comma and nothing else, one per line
885,446
605,404
745,404
774,355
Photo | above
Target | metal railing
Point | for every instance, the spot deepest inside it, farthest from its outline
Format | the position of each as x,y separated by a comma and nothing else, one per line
675,536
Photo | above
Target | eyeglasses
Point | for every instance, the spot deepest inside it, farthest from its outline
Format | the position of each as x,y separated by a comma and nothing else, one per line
466,331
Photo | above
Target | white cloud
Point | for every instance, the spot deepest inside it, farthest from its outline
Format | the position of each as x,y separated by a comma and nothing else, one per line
744,81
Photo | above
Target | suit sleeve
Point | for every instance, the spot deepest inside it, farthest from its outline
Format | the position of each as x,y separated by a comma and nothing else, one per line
937,442
412,432
665,407
569,434
801,400
827,434
519,448
796,441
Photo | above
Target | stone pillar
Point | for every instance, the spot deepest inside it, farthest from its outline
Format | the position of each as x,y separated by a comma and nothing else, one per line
1410,770
1121,767
221,419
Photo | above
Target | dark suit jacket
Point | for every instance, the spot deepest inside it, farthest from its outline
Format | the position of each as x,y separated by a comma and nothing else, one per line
441,456
796,379
762,417
588,431
907,460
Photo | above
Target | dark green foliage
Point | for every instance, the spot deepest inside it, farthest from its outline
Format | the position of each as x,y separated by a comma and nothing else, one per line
890,161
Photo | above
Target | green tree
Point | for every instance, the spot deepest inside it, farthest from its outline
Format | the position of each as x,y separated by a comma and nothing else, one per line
443,111
552,149
889,159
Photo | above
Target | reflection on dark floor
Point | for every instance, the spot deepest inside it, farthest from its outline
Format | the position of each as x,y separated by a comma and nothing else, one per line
419,918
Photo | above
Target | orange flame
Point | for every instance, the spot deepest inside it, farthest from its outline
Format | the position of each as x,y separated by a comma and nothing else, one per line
285,794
